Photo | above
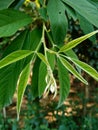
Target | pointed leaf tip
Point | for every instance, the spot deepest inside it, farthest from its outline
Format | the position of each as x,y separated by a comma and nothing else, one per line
76,41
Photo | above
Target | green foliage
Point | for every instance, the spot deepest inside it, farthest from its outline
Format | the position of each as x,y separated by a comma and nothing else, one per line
11,21
85,9
13,57
58,20
23,79
36,79
86,27
37,33
71,69
41,79
75,42
92,72
5,4
14,69
64,82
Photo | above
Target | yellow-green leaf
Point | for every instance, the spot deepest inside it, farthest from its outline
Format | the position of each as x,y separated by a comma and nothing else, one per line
14,56
43,58
75,42
87,68
22,86
71,69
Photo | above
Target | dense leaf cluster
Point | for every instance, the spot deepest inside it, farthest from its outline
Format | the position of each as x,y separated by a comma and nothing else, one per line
37,31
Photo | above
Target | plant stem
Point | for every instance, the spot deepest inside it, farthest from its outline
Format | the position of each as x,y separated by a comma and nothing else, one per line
43,40
4,113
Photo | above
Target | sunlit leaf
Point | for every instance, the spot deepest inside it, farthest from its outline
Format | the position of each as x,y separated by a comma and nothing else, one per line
71,69
87,68
23,80
72,54
43,58
13,57
75,42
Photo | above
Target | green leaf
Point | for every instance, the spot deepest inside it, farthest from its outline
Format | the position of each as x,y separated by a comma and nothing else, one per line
72,54
41,2
75,42
87,68
13,57
17,4
71,12
5,4
86,27
43,71
85,9
51,59
8,82
6,73
36,43
64,82
58,20
20,43
43,13
35,38
94,2
41,80
11,21
17,43
35,77
23,80
71,69
43,58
